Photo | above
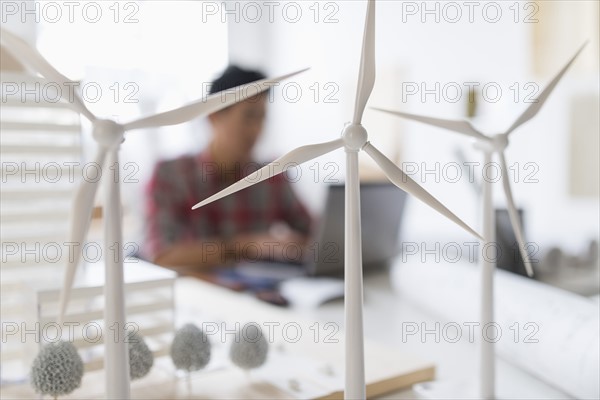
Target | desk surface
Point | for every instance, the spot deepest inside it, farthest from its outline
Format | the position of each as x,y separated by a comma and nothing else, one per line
305,350
385,316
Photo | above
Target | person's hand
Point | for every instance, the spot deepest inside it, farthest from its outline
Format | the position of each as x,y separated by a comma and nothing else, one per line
278,244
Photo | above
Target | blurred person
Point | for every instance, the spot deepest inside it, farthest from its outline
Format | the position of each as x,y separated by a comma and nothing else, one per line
259,222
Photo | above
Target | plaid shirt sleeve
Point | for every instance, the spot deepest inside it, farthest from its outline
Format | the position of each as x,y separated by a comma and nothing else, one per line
165,197
293,212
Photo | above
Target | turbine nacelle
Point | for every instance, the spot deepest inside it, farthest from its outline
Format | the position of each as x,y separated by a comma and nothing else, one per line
108,134
354,136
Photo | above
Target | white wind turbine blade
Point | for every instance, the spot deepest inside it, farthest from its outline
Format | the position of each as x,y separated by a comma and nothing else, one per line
535,107
36,62
208,105
366,77
80,223
404,182
293,158
514,215
464,127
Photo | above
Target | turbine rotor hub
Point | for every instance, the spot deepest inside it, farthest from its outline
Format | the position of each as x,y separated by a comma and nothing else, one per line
108,133
494,144
499,142
355,137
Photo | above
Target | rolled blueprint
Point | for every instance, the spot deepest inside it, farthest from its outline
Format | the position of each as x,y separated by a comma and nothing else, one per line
548,332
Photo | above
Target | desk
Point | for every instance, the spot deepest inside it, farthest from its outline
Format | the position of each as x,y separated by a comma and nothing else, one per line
308,351
386,315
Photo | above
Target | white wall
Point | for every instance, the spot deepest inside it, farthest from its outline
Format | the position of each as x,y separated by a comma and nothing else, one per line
432,52
411,51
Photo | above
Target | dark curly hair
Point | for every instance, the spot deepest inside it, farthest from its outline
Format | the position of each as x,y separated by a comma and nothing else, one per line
234,76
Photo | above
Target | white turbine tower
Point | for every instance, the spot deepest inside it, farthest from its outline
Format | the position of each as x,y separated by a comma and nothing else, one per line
354,138
109,135
490,145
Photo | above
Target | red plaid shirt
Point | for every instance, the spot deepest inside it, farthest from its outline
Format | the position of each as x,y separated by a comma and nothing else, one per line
176,185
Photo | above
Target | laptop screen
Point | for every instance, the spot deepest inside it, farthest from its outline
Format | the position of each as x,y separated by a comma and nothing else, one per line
381,206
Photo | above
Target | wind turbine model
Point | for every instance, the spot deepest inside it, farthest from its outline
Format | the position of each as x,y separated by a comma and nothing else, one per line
109,135
490,145
354,138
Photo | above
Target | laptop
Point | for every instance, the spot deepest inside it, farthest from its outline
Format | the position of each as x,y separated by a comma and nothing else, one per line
381,207
381,204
